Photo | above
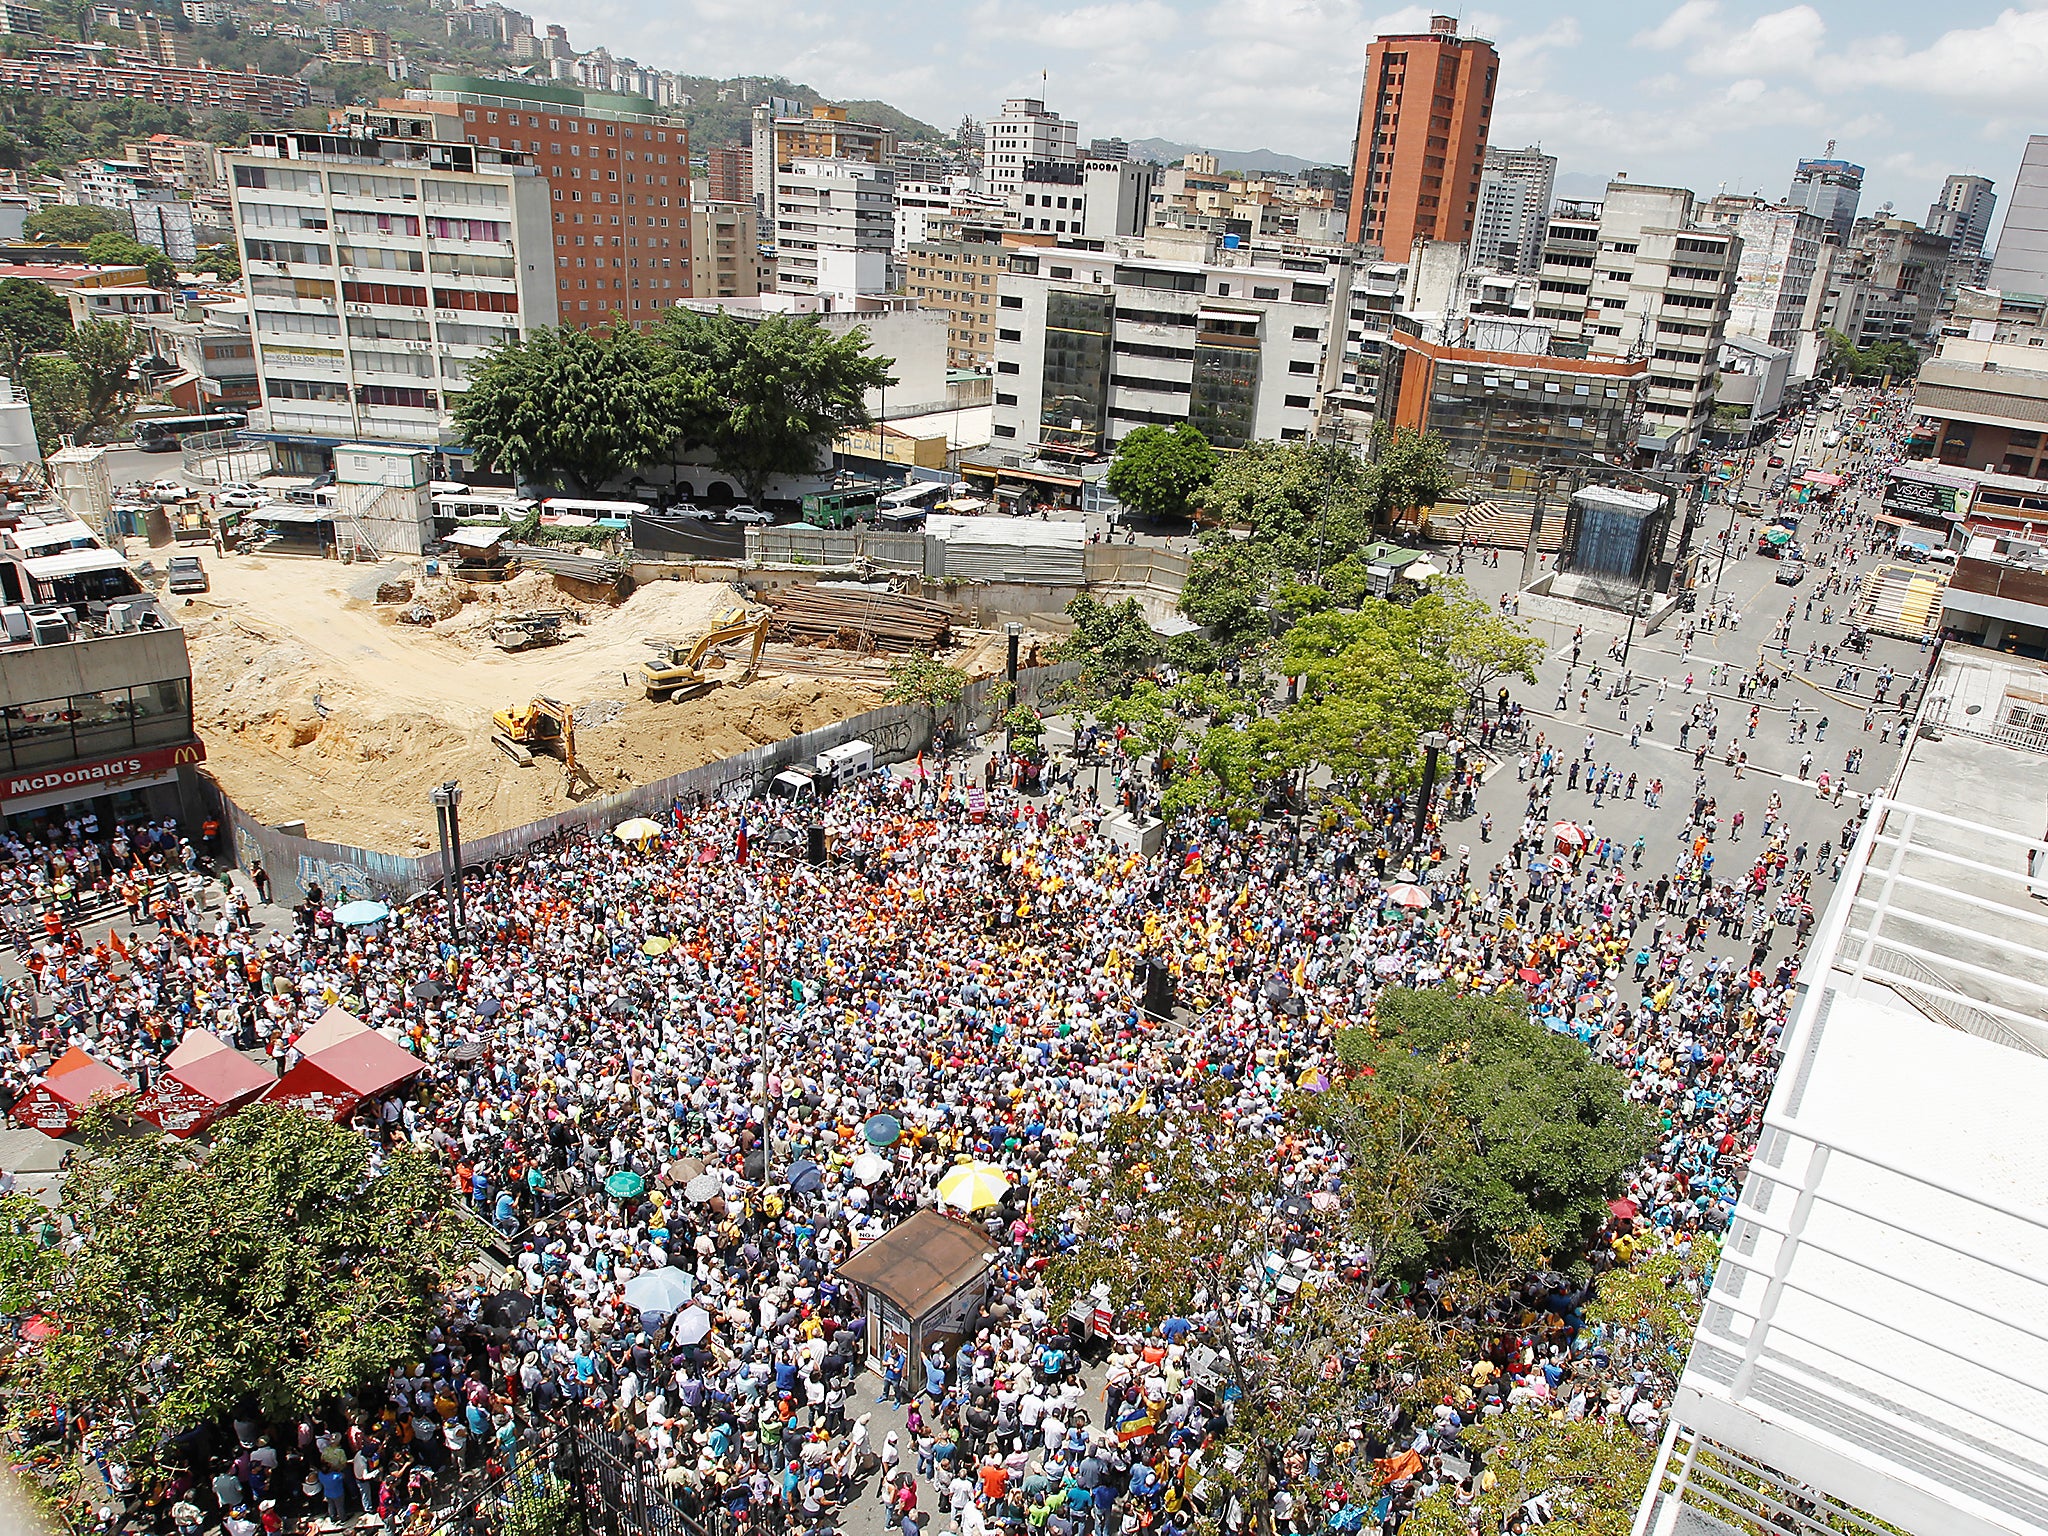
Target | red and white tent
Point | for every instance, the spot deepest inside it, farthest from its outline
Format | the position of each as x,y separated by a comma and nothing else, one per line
203,1080
346,1063
73,1081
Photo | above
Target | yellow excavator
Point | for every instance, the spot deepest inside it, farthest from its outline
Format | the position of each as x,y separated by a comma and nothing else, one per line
684,670
545,725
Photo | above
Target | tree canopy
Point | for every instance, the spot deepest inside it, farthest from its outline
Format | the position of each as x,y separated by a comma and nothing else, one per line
1158,471
71,223
1114,645
1898,358
33,318
119,250
767,397
569,407
283,1266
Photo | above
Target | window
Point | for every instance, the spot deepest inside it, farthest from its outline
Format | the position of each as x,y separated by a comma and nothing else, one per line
1004,367
1311,293
384,293
1299,365
1009,335
277,178
1003,399
1305,333
1005,430
1060,272
399,395
287,250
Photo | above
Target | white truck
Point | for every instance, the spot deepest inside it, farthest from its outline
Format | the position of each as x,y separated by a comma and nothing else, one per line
834,769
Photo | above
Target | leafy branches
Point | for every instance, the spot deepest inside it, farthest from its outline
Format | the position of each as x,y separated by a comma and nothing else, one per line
1158,471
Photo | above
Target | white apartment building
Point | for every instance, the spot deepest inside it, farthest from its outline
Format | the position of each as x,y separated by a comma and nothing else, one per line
379,270
1515,189
918,202
1774,282
1639,276
1025,133
114,184
1093,199
835,228
1091,345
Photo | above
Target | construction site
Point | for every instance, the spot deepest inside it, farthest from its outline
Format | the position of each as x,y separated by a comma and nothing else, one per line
340,695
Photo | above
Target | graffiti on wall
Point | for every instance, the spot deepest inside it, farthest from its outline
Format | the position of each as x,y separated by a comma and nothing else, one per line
338,882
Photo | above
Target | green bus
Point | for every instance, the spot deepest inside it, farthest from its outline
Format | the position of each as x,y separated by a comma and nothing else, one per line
839,509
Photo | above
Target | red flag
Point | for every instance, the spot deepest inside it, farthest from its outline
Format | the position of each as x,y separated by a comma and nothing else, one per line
740,848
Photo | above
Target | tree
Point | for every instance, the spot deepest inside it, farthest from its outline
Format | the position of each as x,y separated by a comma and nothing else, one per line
1158,471
1589,1473
70,224
1224,589
919,679
1550,1136
1480,644
224,261
1310,504
1410,469
118,250
282,1267
56,399
33,318
105,353
1373,682
570,408
1898,358
1114,644
766,397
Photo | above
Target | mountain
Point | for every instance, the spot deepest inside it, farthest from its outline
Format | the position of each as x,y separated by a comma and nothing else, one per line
722,111
1250,161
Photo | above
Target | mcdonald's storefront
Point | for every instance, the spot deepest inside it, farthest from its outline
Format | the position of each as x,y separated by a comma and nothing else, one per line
158,783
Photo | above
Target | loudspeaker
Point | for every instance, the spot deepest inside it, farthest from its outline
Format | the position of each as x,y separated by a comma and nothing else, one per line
814,845
1158,999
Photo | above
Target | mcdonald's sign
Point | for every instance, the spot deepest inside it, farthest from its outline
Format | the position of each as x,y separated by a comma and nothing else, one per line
98,775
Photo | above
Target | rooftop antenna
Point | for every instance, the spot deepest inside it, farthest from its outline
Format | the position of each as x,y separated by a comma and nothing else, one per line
1829,152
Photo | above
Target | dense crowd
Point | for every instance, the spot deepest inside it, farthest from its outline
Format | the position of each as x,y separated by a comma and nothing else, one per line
971,961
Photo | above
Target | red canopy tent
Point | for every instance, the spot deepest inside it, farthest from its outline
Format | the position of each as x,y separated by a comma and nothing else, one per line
73,1081
202,1081
333,1080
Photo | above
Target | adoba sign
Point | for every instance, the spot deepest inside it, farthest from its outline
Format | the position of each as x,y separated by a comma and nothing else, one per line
101,775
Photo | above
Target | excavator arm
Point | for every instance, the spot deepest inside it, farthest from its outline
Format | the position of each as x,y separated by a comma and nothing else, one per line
687,669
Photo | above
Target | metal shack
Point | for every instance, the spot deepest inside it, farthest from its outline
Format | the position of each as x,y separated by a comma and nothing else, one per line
926,1281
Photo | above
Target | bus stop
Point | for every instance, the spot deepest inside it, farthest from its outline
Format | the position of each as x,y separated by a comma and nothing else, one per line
926,1281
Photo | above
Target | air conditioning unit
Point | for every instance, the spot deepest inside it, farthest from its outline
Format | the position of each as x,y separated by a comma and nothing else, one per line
120,618
49,629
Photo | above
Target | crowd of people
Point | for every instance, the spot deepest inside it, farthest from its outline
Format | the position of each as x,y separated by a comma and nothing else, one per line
971,961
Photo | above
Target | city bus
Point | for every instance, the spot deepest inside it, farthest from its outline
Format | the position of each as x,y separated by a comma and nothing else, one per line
163,434
838,509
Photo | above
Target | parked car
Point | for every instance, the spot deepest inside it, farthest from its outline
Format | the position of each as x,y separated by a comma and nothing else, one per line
187,574
168,490
240,497
751,516
1791,572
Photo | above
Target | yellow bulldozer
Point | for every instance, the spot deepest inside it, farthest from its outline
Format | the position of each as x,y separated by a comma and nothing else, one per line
545,725
682,671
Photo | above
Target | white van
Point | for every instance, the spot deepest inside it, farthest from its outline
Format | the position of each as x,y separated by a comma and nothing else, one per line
835,768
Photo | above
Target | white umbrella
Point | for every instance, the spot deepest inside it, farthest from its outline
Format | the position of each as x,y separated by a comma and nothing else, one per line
704,1187
692,1325
659,1290
869,1167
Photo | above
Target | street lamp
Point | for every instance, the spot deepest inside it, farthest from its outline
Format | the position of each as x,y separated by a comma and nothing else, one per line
447,798
1433,742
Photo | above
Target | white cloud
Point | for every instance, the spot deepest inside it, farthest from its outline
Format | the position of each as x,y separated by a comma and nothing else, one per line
1782,42
1691,21
2001,64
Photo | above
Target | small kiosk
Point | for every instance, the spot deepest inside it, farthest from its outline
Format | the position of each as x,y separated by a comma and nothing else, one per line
926,1281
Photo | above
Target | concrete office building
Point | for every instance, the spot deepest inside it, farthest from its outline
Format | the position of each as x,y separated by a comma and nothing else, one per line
1093,344
835,228
725,239
2021,262
1024,133
380,263
618,174
1963,212
1774,282
1831,189
1423,119
1092,200
1639,274
1515,191
958,277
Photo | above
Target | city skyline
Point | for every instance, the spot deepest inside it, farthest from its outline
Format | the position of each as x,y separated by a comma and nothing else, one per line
1708,94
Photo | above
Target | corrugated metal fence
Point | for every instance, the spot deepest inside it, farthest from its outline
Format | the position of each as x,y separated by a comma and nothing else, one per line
345,873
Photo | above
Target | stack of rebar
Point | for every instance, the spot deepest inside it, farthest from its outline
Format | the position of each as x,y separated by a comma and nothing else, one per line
856,621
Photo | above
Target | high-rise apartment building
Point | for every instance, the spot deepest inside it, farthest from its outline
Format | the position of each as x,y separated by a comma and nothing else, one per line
729,173
1025,133
835,228
784,134
1639,275
725,250
1963,212
1091,345
1422,125
381,260
1515,190
1774,281
618,175
1830,188
2021,262
959,278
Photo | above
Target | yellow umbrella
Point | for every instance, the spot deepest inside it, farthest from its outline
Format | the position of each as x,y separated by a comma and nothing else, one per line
659,945
638,830
973,1186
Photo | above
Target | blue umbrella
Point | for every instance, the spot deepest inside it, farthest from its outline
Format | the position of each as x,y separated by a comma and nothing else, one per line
489,1008
804,1178
883,1130
356,913
660,1290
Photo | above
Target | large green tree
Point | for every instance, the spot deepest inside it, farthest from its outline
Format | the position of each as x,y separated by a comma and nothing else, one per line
1410,469
767,397
56,399
571,408
105,353
1310,504
281,1266
72,224
1225,589
33,318
1114,645
1158,471
118,250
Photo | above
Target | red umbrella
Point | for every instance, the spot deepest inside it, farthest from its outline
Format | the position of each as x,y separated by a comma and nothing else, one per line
38,1328
1530,974
1624,1210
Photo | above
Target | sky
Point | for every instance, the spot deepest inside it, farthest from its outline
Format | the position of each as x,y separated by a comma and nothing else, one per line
1698,93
